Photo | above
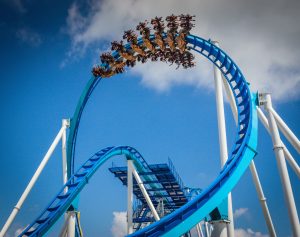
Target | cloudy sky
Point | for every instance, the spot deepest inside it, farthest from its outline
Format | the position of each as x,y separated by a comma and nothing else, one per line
255,31
47,51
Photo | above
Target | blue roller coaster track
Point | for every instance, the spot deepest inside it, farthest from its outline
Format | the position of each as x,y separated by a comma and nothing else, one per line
186,217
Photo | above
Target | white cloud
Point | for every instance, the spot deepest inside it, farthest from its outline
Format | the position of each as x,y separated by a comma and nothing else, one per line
119,226
162,76
261,37
240,212
29,36
248,233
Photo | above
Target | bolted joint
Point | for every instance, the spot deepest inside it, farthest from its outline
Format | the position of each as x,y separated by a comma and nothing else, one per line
66,122
262,101
277,147
263,199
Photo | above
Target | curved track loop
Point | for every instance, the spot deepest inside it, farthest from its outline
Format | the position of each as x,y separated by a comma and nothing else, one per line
183,219
243,151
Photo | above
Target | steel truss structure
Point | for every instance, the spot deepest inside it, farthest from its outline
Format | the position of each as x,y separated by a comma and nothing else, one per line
166,192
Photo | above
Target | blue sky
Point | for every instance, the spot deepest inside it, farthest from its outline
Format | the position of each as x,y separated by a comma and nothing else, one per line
47,51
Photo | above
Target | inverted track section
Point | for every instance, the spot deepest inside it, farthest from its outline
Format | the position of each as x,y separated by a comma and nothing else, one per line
184,218
242,152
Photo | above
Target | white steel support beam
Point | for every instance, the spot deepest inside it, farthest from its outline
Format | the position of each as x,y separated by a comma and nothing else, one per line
291,160
231,99
129,197
63,231
200,228
286,131
69,216
222,138
263,200
71,224
65,123
285,179
255,177
144,192
287,154
32,181
206,229
198,231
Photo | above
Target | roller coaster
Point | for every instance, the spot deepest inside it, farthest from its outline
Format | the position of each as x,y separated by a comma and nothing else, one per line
172,46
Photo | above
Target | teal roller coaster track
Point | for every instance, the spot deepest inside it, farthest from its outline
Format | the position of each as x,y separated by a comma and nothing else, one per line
186,217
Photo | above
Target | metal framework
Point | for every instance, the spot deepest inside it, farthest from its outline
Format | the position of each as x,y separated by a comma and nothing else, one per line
160,181
175,46
165,191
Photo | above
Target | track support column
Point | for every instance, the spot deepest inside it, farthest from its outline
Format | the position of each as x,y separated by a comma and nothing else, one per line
69,216
262,199
145,194
71,224
285,179
199,230
33,181
222,138
66,123
206,229
290,136
255,177
286,152
129,197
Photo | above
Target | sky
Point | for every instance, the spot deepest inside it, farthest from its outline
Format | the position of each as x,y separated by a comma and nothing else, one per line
47,51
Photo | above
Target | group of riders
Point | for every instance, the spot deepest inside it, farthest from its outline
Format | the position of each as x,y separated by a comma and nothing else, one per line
169,46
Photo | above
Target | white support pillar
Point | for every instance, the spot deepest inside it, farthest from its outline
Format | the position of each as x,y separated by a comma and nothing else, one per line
129,197
70,218
200,228
231,99
230,226
144,192
255,177
286,131
291,161
63,231
198,231
71,224
285,179
65,123
222,138
32,181
286,152
263,200
206,229
221,115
